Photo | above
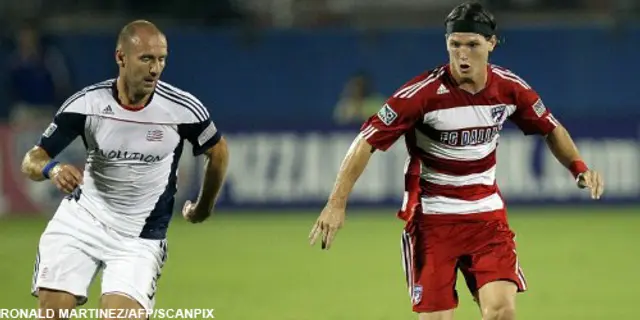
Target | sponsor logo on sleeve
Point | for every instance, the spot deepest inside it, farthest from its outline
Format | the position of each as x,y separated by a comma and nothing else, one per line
539,108
387,115
50,130
207,134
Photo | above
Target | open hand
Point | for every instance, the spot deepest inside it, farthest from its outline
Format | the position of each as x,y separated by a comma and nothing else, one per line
330,221
592,180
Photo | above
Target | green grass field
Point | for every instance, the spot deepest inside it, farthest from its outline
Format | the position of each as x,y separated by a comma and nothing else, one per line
580,264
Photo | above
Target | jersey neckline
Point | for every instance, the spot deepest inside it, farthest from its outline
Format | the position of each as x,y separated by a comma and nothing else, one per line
455,84
114,91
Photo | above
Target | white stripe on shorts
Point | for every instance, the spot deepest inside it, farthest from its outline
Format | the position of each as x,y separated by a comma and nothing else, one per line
407,260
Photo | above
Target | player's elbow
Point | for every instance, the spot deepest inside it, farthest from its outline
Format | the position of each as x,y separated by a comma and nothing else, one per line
365,146
30,163
558,133
27,169
359,154
362,148
559,138
24,167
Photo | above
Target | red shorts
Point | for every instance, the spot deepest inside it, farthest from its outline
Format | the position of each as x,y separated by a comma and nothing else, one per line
432,254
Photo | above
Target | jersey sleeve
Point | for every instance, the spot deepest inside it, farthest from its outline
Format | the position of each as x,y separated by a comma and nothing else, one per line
396,117
202,135
196,126
67,125
531,115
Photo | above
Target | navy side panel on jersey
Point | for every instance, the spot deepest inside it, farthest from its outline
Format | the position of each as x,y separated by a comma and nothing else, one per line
202,134
157,223
65,128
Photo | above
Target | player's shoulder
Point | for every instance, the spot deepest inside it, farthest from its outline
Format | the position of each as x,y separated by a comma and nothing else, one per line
80,101
422,86
183,104
506,78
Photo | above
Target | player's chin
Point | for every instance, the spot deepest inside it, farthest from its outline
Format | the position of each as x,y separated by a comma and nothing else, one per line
147,87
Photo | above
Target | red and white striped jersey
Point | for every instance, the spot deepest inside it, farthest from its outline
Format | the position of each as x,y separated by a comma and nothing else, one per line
451,136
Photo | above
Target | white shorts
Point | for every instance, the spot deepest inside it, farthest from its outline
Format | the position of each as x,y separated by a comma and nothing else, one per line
75,246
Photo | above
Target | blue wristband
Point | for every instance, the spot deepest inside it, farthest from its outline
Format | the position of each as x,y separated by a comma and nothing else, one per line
48,167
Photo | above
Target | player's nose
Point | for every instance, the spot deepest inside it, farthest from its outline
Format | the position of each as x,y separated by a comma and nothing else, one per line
154,70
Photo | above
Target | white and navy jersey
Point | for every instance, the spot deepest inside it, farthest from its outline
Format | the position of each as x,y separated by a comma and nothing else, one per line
132,155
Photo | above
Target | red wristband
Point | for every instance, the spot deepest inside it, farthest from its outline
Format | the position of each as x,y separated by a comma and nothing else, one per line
577,167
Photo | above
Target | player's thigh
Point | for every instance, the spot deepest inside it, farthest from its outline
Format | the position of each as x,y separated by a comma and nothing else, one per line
493,258
430,271
492,271
133,269
498,299
65,261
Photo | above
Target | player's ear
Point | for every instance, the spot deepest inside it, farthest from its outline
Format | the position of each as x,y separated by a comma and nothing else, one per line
120,57
493,41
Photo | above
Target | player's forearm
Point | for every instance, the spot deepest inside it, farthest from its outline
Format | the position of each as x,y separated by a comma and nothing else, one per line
34,162
352,167
563,147
215,170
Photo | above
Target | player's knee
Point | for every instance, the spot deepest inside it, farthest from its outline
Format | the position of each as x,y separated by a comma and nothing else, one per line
503,310
56,301
440,315
119,301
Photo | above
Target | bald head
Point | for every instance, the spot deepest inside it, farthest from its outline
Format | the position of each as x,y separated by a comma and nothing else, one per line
134,32
141,55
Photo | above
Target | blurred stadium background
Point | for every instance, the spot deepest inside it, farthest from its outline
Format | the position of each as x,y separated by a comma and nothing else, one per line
289,82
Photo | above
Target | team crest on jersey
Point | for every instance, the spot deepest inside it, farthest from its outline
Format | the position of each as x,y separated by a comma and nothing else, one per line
416,295
539,108
497,113
155,135
387,115
50,130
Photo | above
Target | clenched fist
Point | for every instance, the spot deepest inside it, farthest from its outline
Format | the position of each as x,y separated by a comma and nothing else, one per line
65,177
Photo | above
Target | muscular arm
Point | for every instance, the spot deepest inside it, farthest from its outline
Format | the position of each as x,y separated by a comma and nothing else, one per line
66,126
533,117
562,146
333,215
34,161
396,117
215,169
352,167
68,123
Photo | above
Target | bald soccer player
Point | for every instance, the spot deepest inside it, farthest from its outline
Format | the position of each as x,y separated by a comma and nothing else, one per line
116,214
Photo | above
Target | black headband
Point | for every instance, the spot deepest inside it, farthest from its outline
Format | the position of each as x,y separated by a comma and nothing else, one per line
470,26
